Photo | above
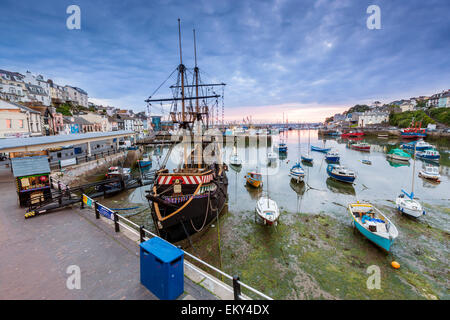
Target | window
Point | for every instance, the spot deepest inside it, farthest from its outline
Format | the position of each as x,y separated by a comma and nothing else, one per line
20,123
8,123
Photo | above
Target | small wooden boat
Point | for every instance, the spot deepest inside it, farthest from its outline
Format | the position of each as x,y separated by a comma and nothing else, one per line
319,149
398,154
382,135
297,173
332,156
432,155
254,179
267,209
341,173
373,224
360,146
430,173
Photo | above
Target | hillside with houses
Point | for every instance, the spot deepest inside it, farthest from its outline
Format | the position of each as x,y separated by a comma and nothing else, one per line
31,105
429,111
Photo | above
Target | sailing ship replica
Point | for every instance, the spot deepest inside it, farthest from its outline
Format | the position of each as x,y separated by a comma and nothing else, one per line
185,201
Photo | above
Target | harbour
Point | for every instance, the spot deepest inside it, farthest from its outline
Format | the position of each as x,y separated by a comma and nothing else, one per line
314,240
213,159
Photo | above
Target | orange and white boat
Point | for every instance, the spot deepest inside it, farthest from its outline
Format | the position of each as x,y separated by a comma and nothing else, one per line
254,179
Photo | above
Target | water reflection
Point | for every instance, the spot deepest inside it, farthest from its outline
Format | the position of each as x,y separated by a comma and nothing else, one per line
298,187
340,187
397,163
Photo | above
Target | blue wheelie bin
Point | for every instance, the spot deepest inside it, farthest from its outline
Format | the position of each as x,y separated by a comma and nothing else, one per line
162,269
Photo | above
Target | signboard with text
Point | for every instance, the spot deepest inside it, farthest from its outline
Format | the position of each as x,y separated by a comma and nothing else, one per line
104,211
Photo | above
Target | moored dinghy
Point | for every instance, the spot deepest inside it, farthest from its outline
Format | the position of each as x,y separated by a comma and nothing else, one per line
373,224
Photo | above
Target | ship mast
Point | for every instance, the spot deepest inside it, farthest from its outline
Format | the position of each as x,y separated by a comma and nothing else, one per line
196,75
181,70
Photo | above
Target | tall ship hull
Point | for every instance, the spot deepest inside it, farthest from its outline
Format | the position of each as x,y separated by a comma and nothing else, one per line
179,215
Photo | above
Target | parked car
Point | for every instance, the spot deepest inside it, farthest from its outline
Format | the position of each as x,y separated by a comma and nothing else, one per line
3,157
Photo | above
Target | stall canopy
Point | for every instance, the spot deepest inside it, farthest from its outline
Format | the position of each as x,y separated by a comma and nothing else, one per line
29,166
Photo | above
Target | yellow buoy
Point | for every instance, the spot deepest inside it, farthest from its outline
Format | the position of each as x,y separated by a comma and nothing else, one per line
395,264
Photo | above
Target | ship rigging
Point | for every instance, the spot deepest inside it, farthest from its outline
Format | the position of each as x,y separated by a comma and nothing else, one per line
187,199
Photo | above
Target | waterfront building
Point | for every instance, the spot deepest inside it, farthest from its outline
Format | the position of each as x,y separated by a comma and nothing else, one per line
77,96
99,122
372,118
38,90
407,105
444,100
17,120
435,99
58,94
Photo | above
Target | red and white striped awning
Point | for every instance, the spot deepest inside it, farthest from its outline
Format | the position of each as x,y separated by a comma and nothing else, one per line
185,179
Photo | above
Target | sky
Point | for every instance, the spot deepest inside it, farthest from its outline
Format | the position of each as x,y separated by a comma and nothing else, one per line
304,59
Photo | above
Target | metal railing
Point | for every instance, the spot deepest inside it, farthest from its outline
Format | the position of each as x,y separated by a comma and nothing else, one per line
85,158
142,233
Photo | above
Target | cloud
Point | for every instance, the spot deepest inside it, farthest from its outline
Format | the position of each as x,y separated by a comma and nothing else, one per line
318,54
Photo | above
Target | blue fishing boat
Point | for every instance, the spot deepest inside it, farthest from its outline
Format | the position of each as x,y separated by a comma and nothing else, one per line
332,156
428,155
297,173
324,150
418,145
373,224
145,163
341,173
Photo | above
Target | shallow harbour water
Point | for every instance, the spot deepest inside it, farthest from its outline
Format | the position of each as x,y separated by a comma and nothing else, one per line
313,252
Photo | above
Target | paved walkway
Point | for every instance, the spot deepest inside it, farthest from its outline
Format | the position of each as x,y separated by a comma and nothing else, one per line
35,254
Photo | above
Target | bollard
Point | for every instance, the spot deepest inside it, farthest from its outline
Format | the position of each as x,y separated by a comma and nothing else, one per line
236,288
141,233
97,215
116,222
